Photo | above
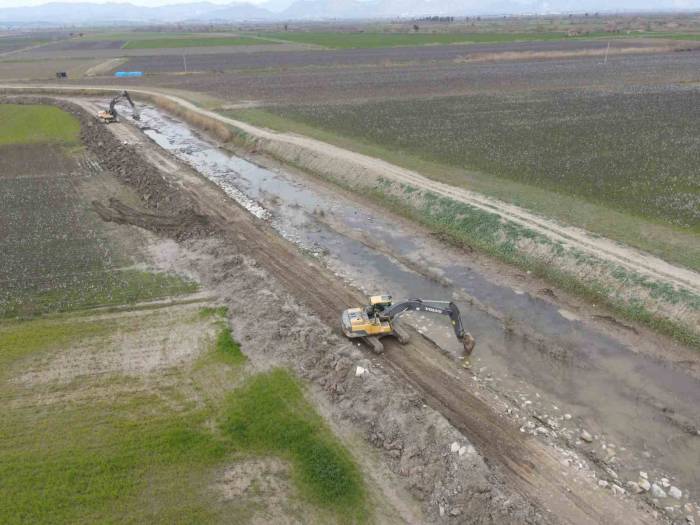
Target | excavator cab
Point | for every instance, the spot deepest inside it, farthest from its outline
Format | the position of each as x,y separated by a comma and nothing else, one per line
377,304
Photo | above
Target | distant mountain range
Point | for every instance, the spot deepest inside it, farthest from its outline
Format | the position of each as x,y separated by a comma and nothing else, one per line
63,14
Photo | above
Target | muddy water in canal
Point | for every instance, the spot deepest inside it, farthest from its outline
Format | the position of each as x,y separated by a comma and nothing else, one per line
643,412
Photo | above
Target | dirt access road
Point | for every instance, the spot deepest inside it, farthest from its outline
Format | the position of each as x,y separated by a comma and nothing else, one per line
524,463
629,258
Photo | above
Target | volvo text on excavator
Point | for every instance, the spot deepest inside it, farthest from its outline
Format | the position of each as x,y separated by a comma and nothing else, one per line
378,319
111,115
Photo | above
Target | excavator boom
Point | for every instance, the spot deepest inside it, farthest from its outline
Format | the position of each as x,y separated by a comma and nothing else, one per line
437,307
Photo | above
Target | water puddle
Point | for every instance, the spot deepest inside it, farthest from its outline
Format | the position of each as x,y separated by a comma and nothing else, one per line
645,408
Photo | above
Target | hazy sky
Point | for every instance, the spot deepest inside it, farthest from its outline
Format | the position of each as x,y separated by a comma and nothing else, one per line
691,4
150,3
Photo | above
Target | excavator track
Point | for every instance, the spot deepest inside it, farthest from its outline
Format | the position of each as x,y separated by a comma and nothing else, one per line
375,344
401,335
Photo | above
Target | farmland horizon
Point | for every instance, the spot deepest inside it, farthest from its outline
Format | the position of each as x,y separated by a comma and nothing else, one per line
101,12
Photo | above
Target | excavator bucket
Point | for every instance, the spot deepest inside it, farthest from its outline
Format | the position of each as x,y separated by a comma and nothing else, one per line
469,343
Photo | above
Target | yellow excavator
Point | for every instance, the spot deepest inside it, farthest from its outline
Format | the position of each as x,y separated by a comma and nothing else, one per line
110,115
378,319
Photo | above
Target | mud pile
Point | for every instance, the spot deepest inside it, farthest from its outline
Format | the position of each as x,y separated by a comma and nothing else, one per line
432,460
166,209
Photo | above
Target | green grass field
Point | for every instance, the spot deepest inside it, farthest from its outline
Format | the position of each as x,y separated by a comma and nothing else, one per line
674,36
269,415
35,124
160,43
132,415
340,40
153,454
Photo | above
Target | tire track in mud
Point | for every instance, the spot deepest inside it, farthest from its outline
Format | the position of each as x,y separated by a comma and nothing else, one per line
522,462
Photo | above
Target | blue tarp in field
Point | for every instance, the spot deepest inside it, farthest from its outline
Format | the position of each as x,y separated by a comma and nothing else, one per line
128,74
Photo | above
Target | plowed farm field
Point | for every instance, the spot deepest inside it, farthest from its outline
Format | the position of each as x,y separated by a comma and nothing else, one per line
57,255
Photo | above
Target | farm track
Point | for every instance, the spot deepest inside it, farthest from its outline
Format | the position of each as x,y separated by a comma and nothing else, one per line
629,258
523,463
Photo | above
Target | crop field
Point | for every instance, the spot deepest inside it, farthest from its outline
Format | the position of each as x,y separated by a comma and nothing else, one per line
45,69
675,36
273,59
361,39
28,124
143,35
573,143
12,43
339,40
337,84
157,43
86,45
56,256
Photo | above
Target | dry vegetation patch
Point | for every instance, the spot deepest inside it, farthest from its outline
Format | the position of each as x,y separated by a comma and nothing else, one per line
138,344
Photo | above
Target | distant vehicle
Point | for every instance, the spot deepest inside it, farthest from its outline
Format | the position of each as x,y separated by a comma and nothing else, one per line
61,74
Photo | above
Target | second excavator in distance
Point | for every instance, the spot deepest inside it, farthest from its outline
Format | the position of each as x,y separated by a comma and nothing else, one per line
110,115
379,319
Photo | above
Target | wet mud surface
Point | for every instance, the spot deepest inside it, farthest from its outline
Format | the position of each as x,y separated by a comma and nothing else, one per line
640,411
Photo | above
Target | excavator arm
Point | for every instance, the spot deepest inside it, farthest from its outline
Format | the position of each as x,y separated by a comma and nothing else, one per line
124,95
438,307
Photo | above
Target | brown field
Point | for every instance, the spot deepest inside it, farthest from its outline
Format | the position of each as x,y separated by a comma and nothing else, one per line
44,69
273,59
330,84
